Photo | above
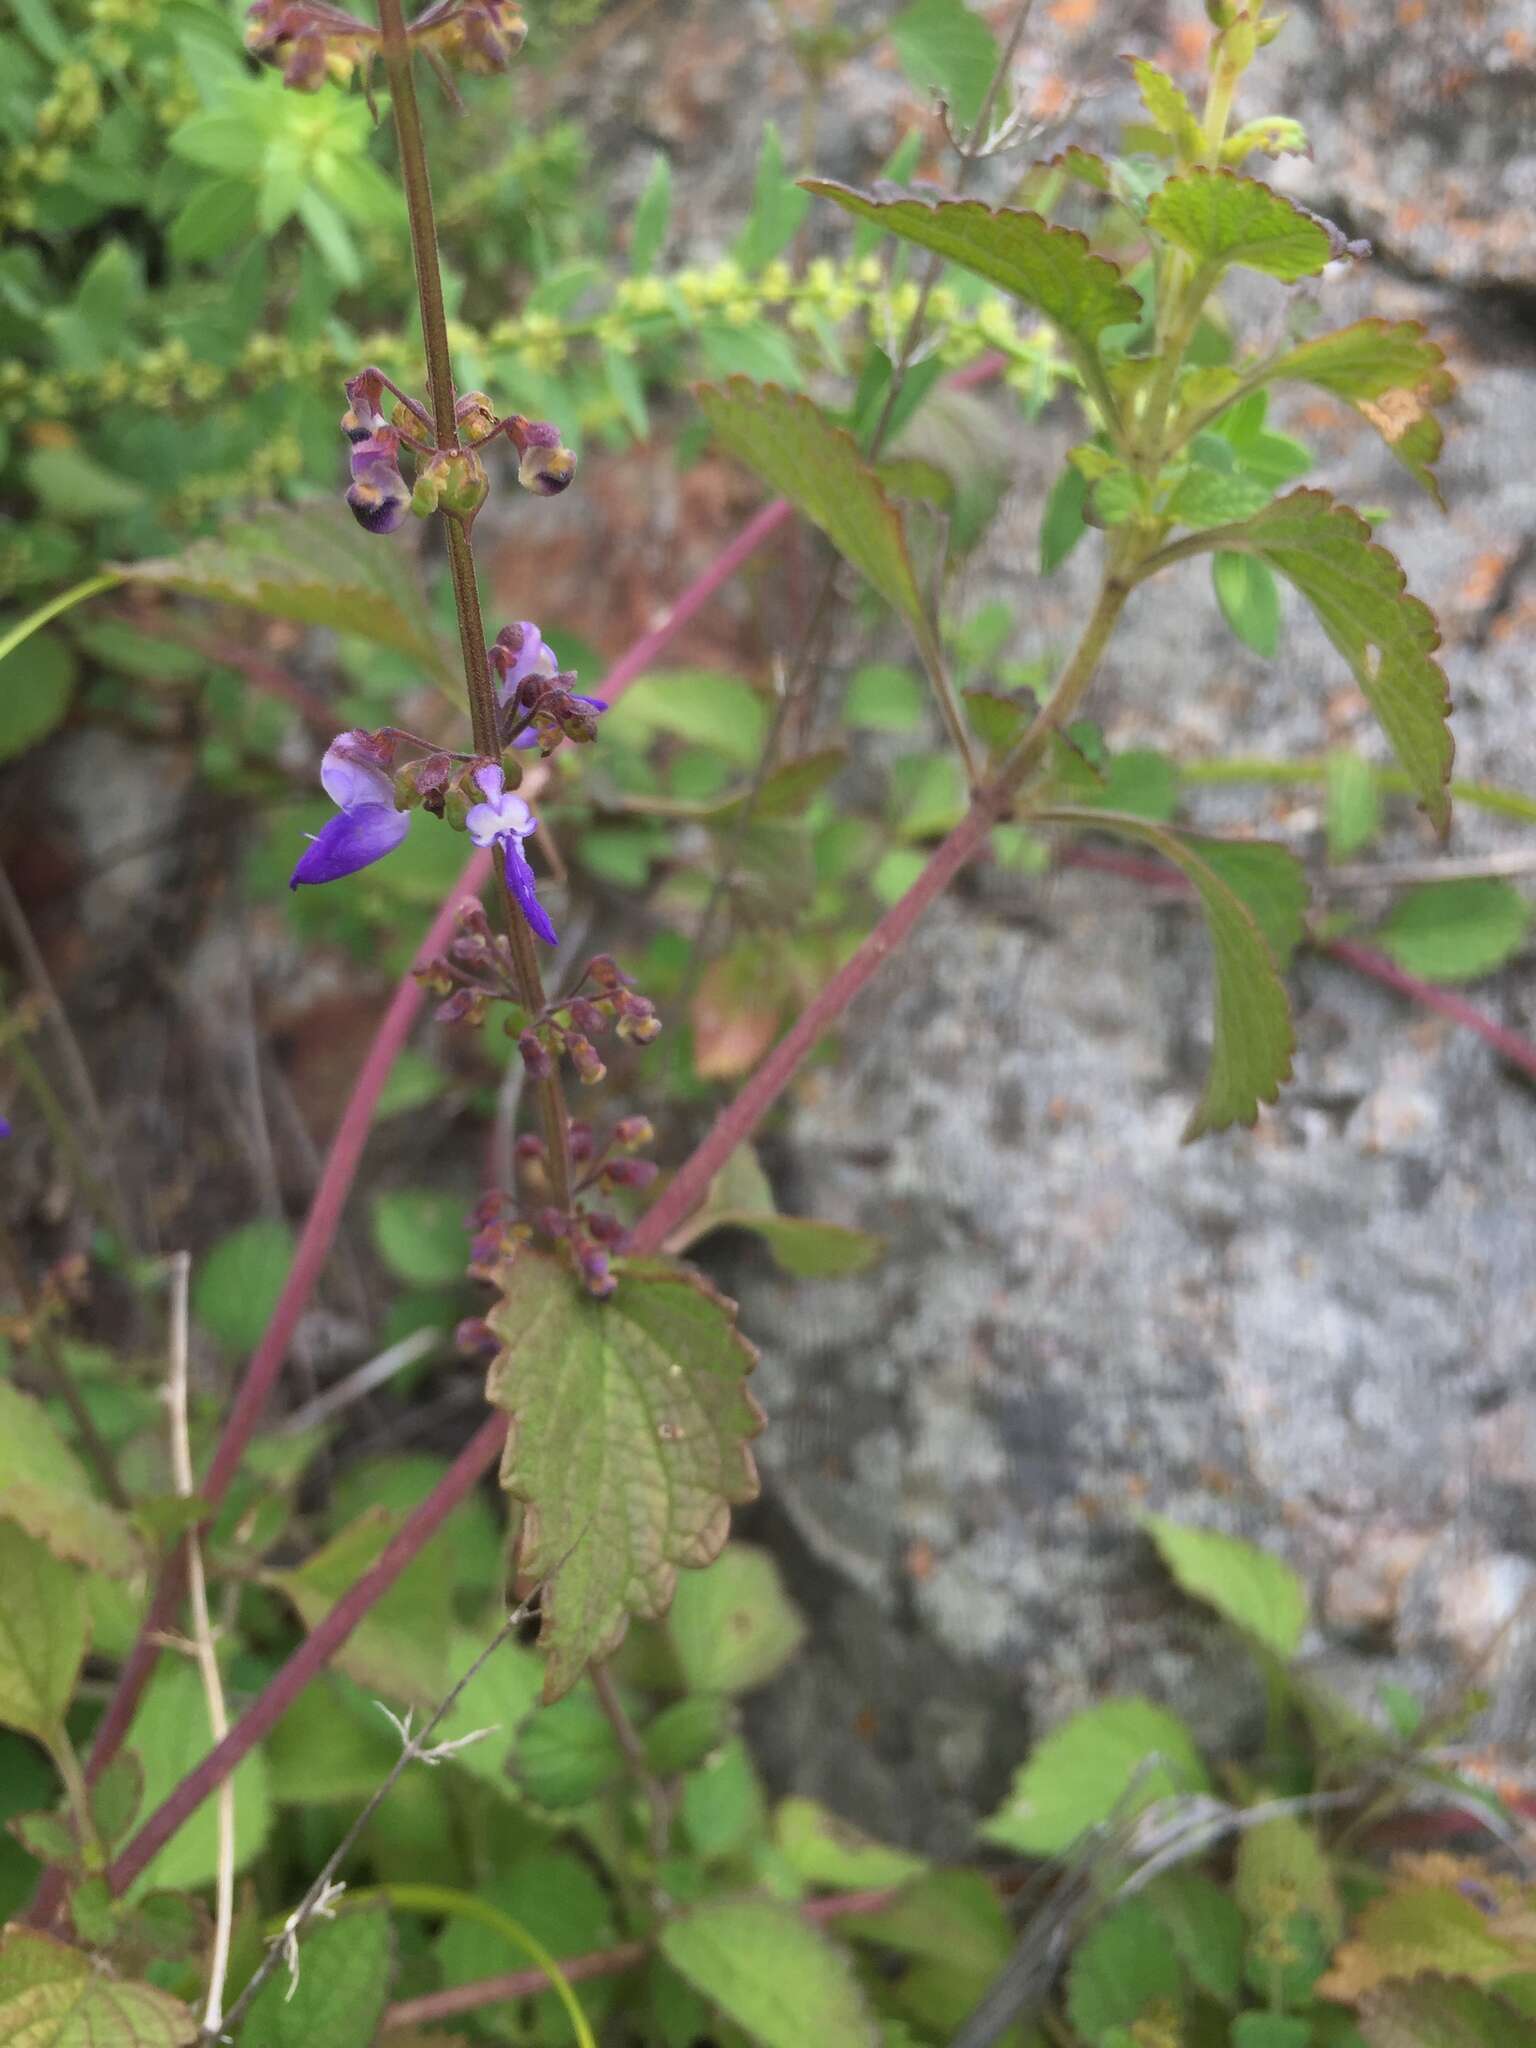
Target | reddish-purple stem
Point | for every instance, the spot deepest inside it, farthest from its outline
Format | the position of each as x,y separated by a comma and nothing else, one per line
602,1962
313,1654
1509,1045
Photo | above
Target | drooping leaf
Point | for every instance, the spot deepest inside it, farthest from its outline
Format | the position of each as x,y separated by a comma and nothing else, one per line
343,1987
43,1633
45,1488
1220,217
1123,1966
235,1288
1455,931
315,565
37,680
944,47
567,1753
1249,600
1170,110
169,1732
776,1977
55,1996
733,1627
1389,638
1083,1770
1253,1039
818,467
826,1850
400,1648
1435,2014
1258,1593
1433,1930
1052,269
1393,375
627,1442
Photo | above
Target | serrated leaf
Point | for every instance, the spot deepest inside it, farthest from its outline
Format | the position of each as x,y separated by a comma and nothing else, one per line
818,467
1252,1039
1389,638
1220,217
1123,1966
944,47
315,565
1082,1772
1206,1927
43,1634
1282,1870
776,1977
1203,497
1257,1593
1455,931
343,1986
1434,1930
627,1442
1052,269
1437,2015
734,1627
1170,111
1393,375
827,1850
45,1488
400,1648
1249,600
567,1753
54,1996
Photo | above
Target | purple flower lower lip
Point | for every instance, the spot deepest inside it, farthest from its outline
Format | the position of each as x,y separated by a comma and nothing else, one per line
353,839
520,881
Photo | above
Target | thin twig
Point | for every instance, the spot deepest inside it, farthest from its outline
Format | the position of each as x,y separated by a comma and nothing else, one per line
1401,874
324,1885
639,1764
180,1270
377,1372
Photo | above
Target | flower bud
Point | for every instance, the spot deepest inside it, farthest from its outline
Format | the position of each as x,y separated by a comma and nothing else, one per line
378,494
588,1018
530,1146
633,1132
1268,30
630,1173
535,1058
580,1141
592,1263
553,1223
475,1340
546,471
584,1057
475,417
604,1226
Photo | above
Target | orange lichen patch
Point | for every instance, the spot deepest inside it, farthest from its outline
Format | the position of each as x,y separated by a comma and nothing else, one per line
1050,98
1520,46
1074,14
1324,416
920,1561
1189,43
1407,217
1515,623
1483,578
1411,12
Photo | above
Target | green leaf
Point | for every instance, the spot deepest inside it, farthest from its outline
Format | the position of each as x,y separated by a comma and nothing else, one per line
343,1986
1438,2015
1206,1927
216,216
43,1634
332,1747
237,1285
1202,497
73,485
54,1996
1171,113
1253,1039
220,142
809,1249
169,1733
1081,1773
312,564
45,1488
567,1753
826,1850
653,214
719,712
1393,375
1282,1870
117,1797
1270,2030
1433,1930
1249,600
37,680
400,1648
882,698
818,467
778,207
1062,525
733,1627
414,1081
1388,638
1257,1593
944,48
627,1442
1052,269
422,1235
1455,931
723,1810
1120,1969
776,1977
1219,217
1352,802
501,1696
684,1734
554,1896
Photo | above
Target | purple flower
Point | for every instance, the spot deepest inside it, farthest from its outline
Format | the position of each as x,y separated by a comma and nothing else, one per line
520,654
5,1127
368,825
504,820
379,495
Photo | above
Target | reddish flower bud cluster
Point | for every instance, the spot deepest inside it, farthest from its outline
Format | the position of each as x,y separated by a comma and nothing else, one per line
570,1025
313,43
585,1235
